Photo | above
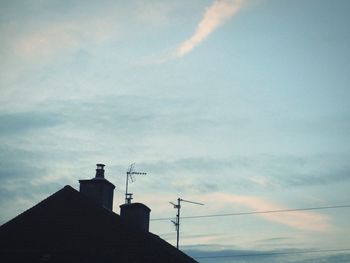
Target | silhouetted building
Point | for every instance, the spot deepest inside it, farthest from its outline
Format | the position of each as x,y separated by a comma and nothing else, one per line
72,226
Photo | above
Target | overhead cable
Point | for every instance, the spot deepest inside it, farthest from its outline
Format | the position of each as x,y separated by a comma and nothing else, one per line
257,212
274,253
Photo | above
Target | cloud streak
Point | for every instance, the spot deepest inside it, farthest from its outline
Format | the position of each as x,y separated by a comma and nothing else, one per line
211,253
215,15
302,220
63,36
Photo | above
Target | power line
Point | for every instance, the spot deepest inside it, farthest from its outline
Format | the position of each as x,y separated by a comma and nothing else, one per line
274,253
257,212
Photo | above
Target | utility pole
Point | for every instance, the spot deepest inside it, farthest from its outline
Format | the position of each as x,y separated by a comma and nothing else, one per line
177,221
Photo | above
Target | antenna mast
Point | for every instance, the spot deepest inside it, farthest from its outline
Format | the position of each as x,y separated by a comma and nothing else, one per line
177,220
130,177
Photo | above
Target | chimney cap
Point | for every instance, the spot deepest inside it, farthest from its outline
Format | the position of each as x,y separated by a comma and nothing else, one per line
100,165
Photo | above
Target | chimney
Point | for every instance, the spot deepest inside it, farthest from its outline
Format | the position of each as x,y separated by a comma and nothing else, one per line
99,189
136,214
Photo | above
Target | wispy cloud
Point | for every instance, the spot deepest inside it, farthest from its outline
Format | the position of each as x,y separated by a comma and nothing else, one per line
19,123
63,35
299,219
235,254
215,15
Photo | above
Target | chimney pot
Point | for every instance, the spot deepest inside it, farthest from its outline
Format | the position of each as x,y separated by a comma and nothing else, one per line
100,172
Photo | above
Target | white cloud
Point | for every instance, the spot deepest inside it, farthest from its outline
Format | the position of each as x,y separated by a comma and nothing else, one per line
216,15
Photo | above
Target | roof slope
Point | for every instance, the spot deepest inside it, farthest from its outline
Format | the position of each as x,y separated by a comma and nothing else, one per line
68,227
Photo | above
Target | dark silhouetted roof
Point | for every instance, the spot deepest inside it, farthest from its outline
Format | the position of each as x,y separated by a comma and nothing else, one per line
68,227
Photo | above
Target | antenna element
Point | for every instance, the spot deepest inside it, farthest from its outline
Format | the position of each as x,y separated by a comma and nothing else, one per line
130,178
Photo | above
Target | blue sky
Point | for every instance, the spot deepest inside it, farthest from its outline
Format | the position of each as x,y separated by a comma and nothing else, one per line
241,105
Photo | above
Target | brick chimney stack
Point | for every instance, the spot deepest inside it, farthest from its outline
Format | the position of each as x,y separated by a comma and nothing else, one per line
136,214
99,189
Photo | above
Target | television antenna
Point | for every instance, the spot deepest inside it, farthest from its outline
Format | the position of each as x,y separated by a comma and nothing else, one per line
130,177
177,220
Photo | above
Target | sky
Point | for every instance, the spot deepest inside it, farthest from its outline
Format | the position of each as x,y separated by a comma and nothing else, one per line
238,104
